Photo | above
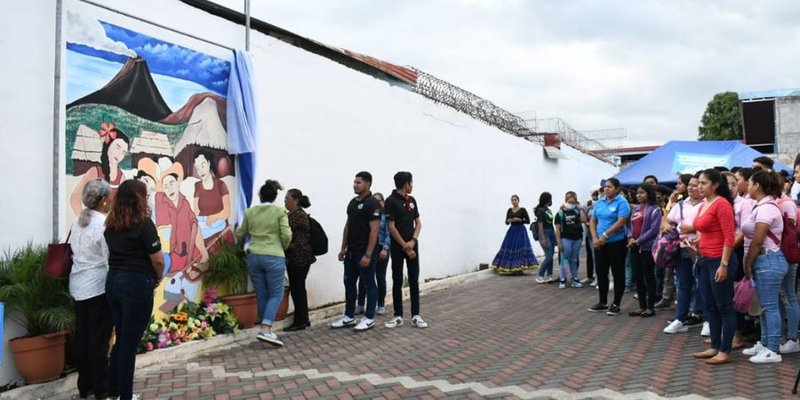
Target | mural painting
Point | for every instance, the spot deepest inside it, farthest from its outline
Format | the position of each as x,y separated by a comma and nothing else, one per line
143,107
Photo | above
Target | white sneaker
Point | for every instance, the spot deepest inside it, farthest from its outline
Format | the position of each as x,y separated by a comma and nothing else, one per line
758,348
791,346
562,285
360,309
550,279
364,325
540,279
380,310
706,331
594,282
765,357
394,322
343,322
577,284
586,280
676,326
418,322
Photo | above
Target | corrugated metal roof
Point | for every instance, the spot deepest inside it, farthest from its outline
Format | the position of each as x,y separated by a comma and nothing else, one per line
768,94
405,74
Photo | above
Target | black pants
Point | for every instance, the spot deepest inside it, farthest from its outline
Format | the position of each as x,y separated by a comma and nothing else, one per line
130,297
398,257
644,276
611,256
93,324
380,277
297,288
589,257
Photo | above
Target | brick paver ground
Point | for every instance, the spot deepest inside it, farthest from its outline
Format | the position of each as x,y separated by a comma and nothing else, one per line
500,337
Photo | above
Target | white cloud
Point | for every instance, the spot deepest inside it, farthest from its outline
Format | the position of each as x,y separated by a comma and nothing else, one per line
89,32
647,66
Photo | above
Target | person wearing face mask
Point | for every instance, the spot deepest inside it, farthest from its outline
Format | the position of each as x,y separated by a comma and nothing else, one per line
516,254
568,231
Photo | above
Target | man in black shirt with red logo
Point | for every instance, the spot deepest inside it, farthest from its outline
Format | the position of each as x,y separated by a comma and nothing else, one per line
402,215
359,254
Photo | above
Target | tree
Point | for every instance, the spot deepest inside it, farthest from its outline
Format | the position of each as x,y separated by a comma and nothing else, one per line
722,119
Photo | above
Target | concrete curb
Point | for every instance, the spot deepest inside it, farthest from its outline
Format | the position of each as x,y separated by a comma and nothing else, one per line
68,384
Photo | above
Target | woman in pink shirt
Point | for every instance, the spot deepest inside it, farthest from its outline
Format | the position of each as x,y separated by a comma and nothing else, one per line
715,226
762,231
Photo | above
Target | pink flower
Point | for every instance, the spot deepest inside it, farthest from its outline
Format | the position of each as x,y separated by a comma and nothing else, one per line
149,346
204,325
211,295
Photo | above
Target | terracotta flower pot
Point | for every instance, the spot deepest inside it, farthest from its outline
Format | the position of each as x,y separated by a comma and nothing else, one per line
39,358
283,308
243,307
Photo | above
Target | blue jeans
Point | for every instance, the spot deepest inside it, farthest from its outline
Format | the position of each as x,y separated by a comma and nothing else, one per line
546,267
267,273
791,307
130,297
380,277
770,270
684,271
629,270
572,249
355,273
718,298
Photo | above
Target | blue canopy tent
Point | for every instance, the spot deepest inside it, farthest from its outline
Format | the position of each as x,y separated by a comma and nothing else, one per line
679,157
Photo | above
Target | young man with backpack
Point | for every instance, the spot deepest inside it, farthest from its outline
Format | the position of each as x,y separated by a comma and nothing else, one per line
404,227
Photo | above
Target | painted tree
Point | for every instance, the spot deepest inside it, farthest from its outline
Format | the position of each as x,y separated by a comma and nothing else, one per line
722,119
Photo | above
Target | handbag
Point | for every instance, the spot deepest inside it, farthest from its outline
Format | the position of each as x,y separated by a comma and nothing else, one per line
58,262
742,295
666,250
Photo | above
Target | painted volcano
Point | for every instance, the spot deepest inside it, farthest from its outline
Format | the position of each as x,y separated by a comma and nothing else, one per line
131,89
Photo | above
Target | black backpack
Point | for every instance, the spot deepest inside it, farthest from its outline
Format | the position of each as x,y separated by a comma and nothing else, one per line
319,240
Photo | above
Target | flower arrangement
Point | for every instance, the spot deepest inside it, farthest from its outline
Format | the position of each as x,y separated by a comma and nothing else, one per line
190,321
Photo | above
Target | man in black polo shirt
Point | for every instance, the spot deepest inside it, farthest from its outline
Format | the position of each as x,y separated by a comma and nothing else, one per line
404,227
358,252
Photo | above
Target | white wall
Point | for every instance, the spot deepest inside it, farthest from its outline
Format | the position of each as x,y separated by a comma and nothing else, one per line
320,124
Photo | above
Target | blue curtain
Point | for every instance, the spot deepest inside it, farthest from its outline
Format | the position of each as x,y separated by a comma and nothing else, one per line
242,128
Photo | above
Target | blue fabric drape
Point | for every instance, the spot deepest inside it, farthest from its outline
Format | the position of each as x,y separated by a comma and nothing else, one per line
242,127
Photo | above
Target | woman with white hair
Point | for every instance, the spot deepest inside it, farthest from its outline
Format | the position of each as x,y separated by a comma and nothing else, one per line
87,283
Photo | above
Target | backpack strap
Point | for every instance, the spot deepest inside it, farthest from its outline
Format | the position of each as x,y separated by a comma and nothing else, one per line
769,232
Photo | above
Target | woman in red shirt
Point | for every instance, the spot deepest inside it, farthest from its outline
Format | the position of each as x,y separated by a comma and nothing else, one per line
716,268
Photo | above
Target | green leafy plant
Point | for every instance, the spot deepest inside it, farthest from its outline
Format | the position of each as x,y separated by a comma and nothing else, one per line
37,301
227,269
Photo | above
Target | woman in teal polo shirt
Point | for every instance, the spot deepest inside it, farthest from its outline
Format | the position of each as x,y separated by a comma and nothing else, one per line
607,225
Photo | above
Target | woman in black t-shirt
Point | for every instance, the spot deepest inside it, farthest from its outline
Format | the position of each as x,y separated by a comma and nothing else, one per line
135,265
544,233
569,231
516,254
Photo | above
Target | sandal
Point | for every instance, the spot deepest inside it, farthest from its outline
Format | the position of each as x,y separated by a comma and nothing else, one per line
636,313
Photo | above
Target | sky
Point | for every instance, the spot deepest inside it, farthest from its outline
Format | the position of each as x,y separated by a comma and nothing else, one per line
95,38
649,67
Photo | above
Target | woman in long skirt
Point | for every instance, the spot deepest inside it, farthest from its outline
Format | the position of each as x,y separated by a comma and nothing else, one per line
516,254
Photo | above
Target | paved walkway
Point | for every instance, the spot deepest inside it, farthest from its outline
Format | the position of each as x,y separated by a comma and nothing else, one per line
500,337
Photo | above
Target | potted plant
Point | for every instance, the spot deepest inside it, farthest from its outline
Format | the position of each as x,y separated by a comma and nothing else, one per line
227,269
40,303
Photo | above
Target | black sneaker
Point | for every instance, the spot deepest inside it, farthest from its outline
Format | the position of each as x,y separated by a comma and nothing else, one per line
613,310
692,321
599,307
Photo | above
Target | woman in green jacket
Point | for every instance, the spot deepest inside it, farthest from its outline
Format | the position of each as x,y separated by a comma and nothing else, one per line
268,227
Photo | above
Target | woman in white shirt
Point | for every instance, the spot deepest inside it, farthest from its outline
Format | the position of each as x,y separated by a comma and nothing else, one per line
87,283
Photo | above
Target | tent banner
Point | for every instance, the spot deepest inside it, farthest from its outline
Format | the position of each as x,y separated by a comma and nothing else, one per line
693,162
